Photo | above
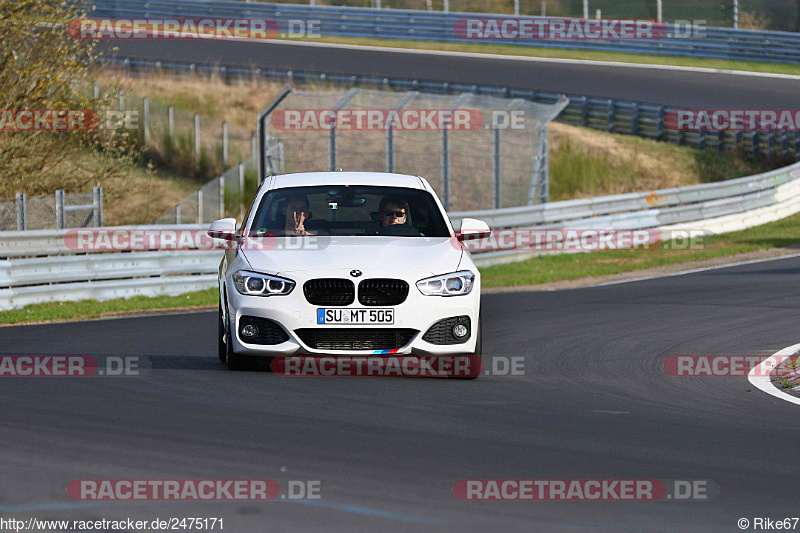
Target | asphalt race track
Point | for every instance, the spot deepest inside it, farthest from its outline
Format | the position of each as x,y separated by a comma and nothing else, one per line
670,87
595,402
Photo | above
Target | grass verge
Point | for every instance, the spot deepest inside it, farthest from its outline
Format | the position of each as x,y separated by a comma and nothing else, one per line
779,234
91,309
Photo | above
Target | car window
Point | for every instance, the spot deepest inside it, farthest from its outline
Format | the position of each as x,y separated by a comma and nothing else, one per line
352,211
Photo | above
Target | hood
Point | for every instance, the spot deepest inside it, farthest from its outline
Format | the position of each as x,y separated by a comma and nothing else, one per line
374,256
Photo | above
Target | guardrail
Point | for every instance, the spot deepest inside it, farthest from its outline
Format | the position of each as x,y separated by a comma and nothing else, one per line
68,273
615,116
707,42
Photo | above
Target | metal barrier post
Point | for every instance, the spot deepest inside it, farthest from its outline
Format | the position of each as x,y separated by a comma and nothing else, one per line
145,118
332,148
390,149
241,188
60,215
584,111
496,167
22,223
171,121
796,145
121,100
199,206
225,143
446,168
221,197
97,193
197,139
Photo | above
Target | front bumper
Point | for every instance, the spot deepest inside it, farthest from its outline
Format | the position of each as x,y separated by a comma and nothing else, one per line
293,312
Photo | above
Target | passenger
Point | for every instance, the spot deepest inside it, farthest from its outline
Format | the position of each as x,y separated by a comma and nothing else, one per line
296,212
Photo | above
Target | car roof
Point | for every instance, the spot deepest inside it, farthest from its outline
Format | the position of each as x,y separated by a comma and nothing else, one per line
308,179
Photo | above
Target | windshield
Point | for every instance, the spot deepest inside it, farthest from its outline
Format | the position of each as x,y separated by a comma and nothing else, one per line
349,210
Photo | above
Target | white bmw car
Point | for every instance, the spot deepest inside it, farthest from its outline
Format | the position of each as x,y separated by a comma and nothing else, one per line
347,263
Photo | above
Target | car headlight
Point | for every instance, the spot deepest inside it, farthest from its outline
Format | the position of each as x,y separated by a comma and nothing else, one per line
255,284
455,284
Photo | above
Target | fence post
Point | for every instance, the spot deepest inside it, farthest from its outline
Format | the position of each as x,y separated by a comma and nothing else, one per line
254,147
199,206
785,146
222,197
610,117
225,144
701,143
60,218
22,224
635,120
755,141
516,8
197,139
241,188
97,193
96,91
496,167
721,145
660,124
146,118
121,100
171,121
178,214
446,169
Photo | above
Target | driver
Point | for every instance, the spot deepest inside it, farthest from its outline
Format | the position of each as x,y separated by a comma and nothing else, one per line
393,210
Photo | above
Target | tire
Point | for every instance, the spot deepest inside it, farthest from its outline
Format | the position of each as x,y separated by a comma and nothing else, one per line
223,348
232,360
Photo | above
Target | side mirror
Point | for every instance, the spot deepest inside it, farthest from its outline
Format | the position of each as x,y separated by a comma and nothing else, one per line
473,229
224,228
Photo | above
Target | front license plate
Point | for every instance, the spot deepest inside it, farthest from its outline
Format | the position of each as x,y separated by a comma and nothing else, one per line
355,316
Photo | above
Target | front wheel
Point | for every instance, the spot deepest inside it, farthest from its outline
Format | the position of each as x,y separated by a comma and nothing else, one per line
226,353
